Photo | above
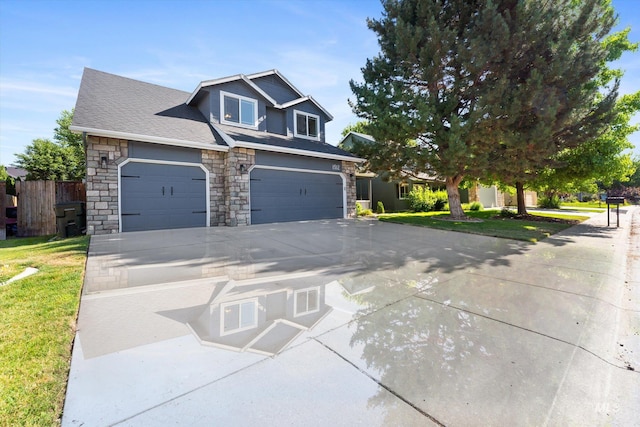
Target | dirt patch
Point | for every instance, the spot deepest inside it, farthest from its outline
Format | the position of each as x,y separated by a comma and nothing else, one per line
536,218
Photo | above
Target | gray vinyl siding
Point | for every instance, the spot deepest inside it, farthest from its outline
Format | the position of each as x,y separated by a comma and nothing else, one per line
145,150
267,158
204,105
276,88
276,121
305,107
237,88
387,193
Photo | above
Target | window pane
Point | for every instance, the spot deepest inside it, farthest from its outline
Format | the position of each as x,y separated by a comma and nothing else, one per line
301,124
231,317
301,302
231,108
313,126
312,300
248,314
247,116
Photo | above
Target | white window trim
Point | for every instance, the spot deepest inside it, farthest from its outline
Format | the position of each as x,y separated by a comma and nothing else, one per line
295,125
400,185
295,301
240,329
239,98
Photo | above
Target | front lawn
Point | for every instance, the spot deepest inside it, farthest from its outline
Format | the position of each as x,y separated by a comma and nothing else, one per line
491,224
37,325
599,206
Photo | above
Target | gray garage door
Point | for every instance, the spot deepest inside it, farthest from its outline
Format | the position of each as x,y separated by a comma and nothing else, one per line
158,196
280,196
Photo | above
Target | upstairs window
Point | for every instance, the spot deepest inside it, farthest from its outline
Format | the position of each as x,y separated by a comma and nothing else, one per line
238,316
238,110
306,301
306,125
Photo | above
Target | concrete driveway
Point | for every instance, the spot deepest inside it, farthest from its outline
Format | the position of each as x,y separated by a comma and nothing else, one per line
351,322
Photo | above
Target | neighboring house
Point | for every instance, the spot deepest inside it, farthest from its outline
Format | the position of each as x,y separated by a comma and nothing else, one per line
16,173
372,188
240,150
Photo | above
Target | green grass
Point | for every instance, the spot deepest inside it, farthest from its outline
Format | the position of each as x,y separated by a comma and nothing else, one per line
598,206
531,231
37,324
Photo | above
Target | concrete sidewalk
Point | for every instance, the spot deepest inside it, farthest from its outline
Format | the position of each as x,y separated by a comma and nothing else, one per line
359,323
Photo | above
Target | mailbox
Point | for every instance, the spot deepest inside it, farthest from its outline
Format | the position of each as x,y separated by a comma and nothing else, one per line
614,201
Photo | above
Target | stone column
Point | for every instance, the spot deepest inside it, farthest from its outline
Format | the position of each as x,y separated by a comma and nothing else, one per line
102,183
237,165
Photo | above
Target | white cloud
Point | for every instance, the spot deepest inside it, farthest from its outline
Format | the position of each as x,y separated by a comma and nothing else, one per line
8,86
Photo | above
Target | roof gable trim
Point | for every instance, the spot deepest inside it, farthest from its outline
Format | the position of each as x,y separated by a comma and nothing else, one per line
229,79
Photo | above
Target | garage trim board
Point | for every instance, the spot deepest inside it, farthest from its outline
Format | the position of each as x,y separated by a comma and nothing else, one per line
167,163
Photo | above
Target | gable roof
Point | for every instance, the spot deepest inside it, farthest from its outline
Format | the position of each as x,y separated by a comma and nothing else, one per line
119,107
248,79
113,106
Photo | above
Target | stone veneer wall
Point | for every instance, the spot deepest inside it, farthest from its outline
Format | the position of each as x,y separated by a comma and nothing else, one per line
214,161
102,183
237,189
349,170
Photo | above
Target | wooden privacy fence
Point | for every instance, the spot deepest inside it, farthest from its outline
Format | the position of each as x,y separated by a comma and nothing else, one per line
36,204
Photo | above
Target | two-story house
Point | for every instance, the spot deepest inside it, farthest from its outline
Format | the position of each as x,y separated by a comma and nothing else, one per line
239,150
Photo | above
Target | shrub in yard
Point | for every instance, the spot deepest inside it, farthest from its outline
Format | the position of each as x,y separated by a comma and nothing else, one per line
367,212
549,202
476,206
358,209
380,207
421,199
441,200
507,213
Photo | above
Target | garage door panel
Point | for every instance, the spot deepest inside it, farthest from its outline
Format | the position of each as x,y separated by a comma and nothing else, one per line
280,196
159,196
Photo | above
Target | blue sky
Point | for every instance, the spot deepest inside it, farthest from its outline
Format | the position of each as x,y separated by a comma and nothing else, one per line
318,45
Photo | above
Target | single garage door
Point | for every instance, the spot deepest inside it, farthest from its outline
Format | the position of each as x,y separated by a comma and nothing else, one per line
280,196
159,196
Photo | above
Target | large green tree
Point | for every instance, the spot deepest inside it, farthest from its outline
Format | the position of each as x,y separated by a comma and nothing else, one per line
482,89
602,160
72,142
558,97
58,160
43,159
422,95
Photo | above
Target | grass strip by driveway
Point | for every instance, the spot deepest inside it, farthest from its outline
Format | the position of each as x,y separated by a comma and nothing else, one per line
491,224
37,324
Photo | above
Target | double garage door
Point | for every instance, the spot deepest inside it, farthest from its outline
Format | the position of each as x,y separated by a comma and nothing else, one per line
162,196
281,195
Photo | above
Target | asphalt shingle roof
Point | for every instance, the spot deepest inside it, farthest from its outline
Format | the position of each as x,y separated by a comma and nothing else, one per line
275,140
114,103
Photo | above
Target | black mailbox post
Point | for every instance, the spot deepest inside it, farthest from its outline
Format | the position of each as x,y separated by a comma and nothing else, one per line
614,201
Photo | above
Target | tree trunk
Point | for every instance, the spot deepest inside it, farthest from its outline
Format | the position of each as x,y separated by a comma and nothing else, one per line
453,194
522,209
